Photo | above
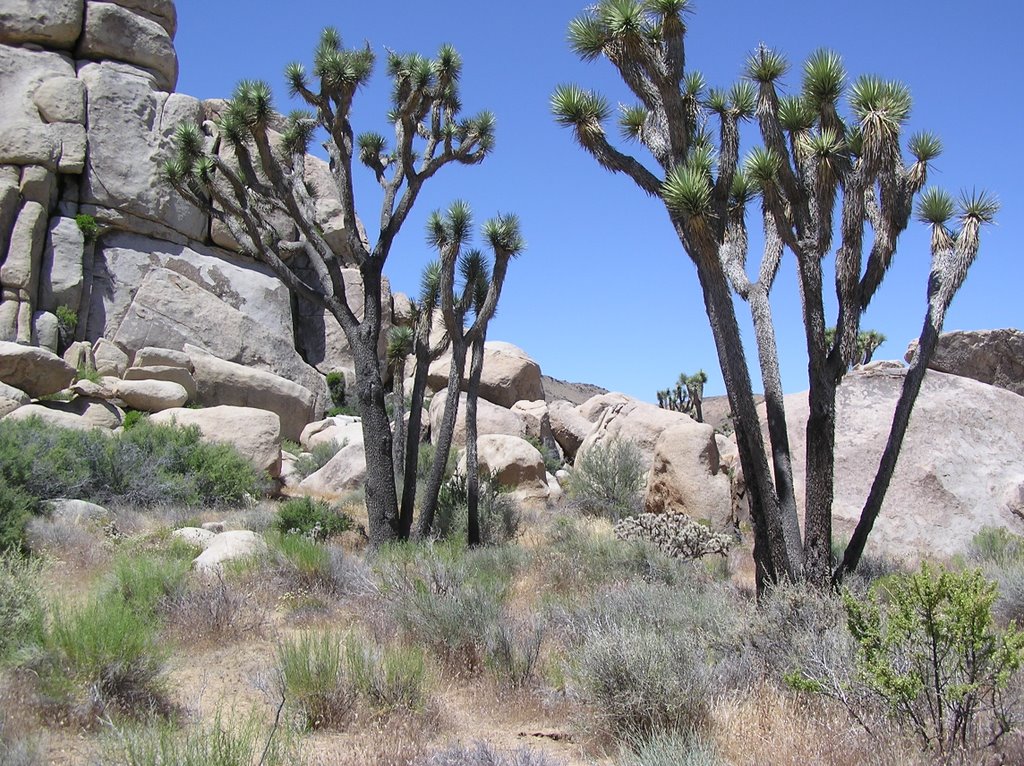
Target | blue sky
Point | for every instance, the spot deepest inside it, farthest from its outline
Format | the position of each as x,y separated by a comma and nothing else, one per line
605,294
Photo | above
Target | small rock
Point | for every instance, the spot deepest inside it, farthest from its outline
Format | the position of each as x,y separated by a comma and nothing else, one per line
200,538
228,546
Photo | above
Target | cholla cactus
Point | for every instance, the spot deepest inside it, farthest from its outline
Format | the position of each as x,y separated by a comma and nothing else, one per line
674,534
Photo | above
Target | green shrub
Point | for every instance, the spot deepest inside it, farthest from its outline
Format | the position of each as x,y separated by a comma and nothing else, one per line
21,604
606,480
105,653
309,561
244,742
336,388
132,418
88,226
320,455
147,581
16,508
552,462
670,749
928,647
997,545
147,465
312,518
85,372
330,678
635,681
497,511
446,598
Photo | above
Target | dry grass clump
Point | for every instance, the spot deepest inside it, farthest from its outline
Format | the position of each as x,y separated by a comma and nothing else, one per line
484,754
768,726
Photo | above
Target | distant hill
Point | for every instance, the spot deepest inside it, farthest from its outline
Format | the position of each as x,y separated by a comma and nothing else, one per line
577,393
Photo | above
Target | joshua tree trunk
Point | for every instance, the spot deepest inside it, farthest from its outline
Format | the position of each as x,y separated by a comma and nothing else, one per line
398,440
951,259
412,442
472,460
381,497
771,557
887,464
443,440
768,357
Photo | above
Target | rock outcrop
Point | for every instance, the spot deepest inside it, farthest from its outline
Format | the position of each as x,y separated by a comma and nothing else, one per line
515,464
256,434
509,375
35,371
687,477
961,467
490,419
995,357
617,416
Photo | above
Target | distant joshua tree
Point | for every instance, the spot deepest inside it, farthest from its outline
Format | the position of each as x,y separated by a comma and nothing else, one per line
686,396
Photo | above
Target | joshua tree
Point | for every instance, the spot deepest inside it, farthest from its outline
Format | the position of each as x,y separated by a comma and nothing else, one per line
868,342
424,309
400,345
814,164
687,395
449,233
266,183
952,255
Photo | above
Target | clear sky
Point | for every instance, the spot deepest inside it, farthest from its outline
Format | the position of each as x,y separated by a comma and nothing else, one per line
605,294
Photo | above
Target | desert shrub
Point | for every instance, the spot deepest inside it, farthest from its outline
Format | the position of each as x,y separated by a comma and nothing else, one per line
446,598
147,465
552,462
304,566
675,534
149,581
216,609
104,658
710,615
633,681
996,545
16,508
392,679
88,226
580,557
320,455
483,754
669,749
336,387
606,480
329,677
312,518
1000,554
927,647
242,742
512,650
17,750
498,511
21,604
799,629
